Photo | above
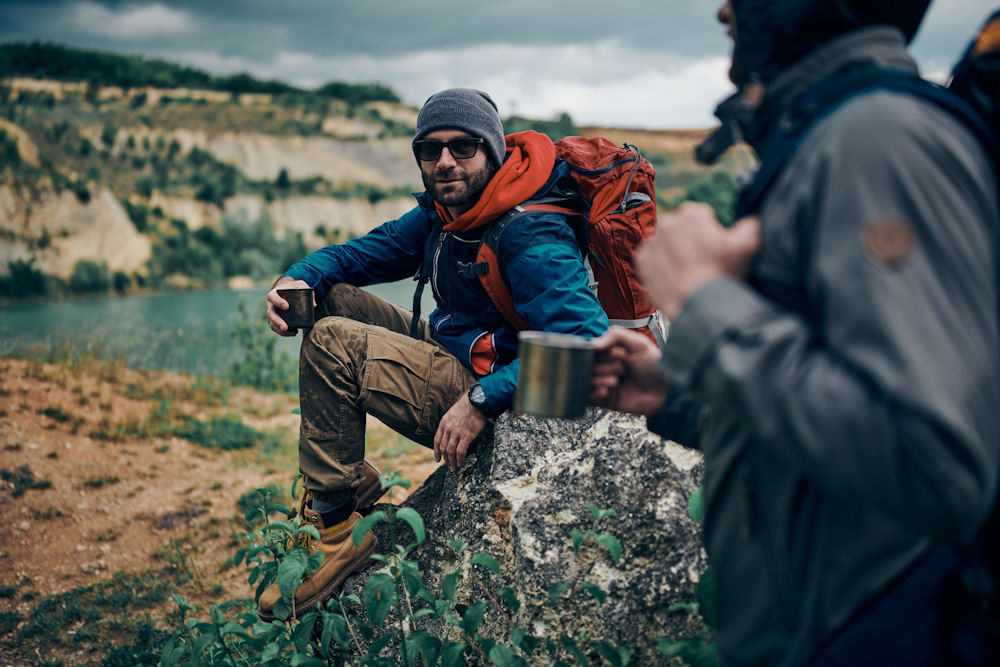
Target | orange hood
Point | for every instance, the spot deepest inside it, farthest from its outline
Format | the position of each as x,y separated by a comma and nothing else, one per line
530,159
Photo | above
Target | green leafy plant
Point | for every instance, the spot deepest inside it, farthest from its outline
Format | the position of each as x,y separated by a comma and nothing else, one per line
22,479
397,618
260,363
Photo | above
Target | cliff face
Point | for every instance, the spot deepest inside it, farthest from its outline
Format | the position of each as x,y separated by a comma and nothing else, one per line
67,166
519,500
184,158
58,230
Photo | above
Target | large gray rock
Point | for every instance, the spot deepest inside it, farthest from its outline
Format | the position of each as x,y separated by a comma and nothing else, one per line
519,499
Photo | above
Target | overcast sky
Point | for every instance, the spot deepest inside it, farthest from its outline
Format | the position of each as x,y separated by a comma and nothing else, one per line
627,63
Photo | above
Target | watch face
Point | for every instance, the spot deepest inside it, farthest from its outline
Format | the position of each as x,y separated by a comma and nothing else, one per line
477,396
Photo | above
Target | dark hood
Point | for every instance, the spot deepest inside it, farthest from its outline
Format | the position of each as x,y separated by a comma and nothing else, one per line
772,34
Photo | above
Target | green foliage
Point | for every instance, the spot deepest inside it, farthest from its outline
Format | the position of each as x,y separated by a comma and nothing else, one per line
143,650
64,63
561,126
358,93
108,134
372,193
696,505
81,190
119,605
9,154
138,214
264,497
22,479
394,605
718,190
23,280
220,433
121,282
282,181
8,621
90,277
144,186
259,363
97,481
239,247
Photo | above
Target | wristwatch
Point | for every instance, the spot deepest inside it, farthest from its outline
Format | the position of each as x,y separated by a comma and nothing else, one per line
478,399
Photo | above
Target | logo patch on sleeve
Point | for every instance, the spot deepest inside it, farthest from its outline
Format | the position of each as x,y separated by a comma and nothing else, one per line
888,242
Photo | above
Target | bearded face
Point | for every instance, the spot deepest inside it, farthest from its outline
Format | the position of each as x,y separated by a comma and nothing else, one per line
455,185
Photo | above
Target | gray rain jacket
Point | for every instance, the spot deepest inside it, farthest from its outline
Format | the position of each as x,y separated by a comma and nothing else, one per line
848,402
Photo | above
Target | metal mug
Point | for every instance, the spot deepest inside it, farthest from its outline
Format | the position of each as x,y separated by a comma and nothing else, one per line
554,378
300,312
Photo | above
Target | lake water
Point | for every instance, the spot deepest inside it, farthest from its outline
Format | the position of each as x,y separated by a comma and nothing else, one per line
178,331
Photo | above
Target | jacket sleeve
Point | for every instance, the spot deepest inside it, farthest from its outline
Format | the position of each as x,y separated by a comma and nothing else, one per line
550,288
392,251
888,395
678,419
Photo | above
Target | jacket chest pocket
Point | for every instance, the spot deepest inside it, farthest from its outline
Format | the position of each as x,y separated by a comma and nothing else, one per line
457,274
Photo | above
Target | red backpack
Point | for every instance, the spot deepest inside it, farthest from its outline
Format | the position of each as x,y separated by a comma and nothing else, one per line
617,183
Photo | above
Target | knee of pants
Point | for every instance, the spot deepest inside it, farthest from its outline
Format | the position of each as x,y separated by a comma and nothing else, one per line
337,337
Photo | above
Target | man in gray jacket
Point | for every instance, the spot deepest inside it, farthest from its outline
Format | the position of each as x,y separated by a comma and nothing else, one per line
836,358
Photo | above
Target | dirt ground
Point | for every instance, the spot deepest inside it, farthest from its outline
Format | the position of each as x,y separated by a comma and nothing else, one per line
87,492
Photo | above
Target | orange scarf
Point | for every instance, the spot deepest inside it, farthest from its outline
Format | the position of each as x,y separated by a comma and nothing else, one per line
530,159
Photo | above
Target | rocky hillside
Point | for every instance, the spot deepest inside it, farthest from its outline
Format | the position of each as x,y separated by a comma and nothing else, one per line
127,186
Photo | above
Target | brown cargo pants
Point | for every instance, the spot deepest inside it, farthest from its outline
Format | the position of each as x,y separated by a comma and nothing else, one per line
357,360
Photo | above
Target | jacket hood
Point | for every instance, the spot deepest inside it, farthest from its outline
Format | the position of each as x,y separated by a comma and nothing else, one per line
772,34
531,157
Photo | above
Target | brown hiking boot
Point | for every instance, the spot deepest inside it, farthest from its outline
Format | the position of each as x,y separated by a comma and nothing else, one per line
369,490
340,559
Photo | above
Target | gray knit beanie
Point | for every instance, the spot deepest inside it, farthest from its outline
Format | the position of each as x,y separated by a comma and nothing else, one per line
464,109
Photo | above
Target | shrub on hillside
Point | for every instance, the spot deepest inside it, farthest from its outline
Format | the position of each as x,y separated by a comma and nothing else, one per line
108,135
138,214
81,190
121,282
90,277
718,190
9,154
23,280
238,247
556,129
259,363
358,93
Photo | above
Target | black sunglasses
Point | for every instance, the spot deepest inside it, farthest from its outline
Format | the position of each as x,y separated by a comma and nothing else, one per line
461,148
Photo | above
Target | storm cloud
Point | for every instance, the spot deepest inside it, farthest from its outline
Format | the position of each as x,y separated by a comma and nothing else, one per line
628,63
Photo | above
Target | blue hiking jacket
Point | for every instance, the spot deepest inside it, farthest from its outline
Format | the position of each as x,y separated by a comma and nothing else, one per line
541,261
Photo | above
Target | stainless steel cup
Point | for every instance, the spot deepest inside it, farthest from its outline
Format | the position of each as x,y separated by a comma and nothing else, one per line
554,379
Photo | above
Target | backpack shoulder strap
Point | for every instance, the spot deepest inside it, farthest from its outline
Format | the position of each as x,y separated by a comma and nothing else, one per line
487,266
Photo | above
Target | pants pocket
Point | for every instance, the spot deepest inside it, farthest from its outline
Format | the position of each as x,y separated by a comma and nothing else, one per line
394,382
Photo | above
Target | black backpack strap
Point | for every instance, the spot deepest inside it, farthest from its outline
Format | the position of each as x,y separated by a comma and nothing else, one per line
421,278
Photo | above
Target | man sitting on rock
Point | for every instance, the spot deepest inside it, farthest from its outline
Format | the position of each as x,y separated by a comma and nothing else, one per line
441,387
